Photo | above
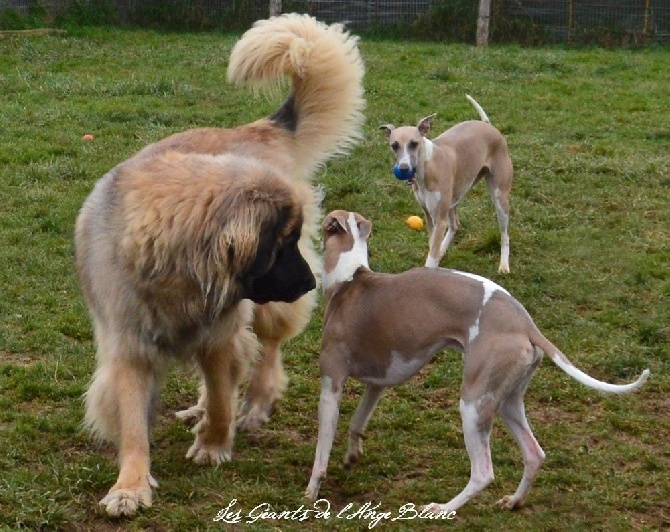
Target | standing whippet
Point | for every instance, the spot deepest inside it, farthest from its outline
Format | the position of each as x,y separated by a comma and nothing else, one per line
441,172
501,348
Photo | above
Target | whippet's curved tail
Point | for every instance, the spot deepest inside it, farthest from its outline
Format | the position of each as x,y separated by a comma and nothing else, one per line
482,114
566,365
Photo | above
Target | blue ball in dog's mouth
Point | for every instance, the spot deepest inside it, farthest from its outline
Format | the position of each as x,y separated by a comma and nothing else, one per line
403,175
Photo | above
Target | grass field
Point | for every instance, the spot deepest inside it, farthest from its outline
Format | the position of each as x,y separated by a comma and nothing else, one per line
589,134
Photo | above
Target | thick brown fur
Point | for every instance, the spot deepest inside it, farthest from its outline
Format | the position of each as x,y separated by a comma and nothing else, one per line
150,243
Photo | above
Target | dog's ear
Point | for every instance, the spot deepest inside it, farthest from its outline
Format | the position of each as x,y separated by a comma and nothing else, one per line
424,124
365,228
388,128
334,223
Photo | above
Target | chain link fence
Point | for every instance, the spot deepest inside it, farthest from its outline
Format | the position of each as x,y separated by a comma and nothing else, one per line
584,21
568,21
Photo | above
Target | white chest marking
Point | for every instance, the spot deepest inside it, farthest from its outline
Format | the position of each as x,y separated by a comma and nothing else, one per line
428,147
427,198
349,261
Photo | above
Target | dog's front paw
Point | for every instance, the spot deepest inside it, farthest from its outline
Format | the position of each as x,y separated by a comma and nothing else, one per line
213,444
120,502
204,454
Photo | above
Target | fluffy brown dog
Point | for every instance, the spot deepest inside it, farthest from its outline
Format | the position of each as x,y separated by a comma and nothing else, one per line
173,244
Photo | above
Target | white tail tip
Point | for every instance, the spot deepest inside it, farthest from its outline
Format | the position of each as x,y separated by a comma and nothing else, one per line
589,381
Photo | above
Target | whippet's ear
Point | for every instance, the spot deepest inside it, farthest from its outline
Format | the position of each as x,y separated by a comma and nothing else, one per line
388,128
424,124
365,228
334,224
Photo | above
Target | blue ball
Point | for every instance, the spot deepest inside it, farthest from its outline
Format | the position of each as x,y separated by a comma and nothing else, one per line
403,175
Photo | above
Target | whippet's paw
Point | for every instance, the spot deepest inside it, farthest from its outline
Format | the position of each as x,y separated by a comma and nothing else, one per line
503,268
351,459
436,508
208,454
121,502
431,507
439,511
312,490
509,502
310,494
354,454
191,415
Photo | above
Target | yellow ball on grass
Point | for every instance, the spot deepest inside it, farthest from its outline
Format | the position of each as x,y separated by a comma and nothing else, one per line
414,222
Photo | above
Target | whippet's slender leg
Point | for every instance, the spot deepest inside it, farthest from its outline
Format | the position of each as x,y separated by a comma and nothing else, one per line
360,422
513,413
443,229
477,422
436,236
500,195
429,221
329,410
453,227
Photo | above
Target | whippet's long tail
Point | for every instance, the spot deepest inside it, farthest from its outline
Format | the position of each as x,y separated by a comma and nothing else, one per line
564,363
324,112
482,115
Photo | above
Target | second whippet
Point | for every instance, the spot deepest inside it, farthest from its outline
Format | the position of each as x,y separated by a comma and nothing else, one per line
442,170
501,347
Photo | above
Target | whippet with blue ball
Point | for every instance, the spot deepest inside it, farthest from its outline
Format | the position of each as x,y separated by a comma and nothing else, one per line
501,349
442,170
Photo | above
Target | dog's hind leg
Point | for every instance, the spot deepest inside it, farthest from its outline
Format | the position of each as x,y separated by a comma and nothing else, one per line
500,190
477,418
360,422
329,411
513,412
119,403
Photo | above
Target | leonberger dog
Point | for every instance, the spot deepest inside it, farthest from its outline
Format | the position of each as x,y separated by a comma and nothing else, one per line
200,248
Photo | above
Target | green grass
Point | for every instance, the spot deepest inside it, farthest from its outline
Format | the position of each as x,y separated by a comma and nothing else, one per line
589,135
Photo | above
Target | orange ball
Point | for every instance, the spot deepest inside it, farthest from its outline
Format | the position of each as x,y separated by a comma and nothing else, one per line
414,222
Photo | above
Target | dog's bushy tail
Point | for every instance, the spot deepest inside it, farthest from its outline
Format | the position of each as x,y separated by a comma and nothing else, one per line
325,109
566,365
482,114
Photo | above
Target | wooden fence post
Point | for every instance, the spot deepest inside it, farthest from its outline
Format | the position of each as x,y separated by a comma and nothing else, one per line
483,20
275,8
